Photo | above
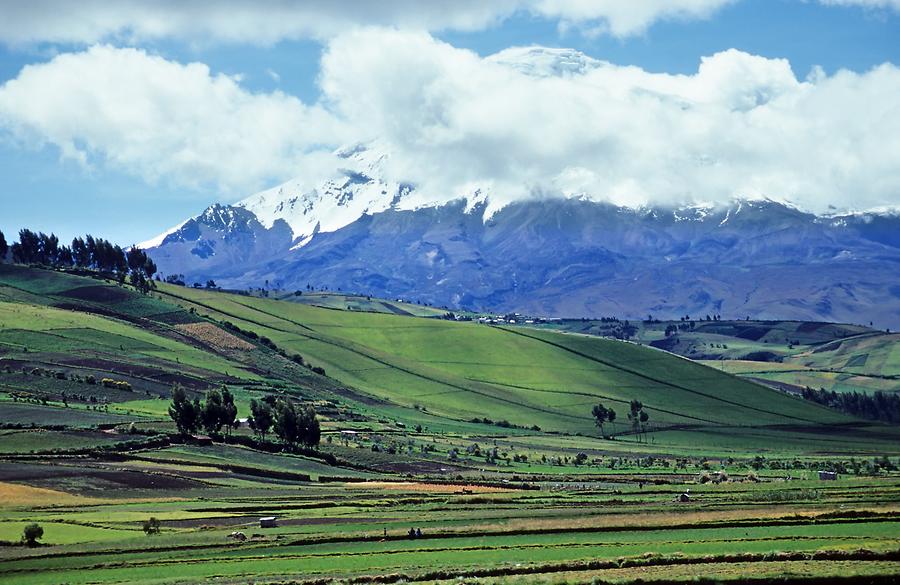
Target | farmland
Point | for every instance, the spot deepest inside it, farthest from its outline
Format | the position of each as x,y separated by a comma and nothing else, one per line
789,355
480,436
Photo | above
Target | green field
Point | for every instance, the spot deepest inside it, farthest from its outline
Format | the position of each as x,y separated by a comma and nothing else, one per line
481,436
787,355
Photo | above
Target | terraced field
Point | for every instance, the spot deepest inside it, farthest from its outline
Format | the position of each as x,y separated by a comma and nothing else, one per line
479,436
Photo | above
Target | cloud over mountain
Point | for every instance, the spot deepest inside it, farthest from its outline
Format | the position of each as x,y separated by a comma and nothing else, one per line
525,122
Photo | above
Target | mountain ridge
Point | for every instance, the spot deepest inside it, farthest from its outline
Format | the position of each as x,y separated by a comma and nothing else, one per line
570,257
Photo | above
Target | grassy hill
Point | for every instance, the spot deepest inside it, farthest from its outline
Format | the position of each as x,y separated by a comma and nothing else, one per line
466,431
352,302
467,370
786,354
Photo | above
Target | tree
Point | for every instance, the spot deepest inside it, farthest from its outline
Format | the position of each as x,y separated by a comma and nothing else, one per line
634,415
644,417
229,410
151,526
48,249
287,422
312,433
65,257
32,533
601,414
27,249
185,413
141,268
4,247
80,254
296,425
611,417
213,412
261,417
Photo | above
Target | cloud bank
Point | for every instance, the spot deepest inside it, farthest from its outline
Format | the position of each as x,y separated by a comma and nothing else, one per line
159,119
525,122
266,23
536,121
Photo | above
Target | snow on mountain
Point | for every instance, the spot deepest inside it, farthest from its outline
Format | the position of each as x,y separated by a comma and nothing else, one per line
157,241
540,61
357,188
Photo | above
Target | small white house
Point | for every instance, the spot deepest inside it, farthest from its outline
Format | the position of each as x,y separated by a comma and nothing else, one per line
268,522
828,475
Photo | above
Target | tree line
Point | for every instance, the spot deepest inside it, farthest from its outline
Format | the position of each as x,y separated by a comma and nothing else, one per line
87,253
637,417
291,424
880,405
217,413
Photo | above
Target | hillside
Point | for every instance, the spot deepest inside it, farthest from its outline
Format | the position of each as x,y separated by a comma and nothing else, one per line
787,355
455,428
415,370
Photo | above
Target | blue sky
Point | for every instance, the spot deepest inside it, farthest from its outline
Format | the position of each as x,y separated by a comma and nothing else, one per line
44,190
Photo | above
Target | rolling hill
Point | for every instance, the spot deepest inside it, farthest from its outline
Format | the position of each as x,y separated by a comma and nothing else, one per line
381,363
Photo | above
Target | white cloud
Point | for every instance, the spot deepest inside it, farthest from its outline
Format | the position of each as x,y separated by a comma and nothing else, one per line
742,125
522,123
265,23
622,19
163,120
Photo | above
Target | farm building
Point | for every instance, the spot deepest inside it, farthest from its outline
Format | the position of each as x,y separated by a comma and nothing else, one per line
828,475
268,522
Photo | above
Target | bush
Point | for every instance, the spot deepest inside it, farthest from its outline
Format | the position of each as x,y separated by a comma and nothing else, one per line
117,384
151,526
32,533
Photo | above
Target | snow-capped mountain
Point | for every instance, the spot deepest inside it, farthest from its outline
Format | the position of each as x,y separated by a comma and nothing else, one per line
758,258
366,229
358,188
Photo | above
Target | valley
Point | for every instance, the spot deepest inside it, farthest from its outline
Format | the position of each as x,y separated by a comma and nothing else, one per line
480,436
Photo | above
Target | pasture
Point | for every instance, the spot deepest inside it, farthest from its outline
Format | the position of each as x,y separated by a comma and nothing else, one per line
479,436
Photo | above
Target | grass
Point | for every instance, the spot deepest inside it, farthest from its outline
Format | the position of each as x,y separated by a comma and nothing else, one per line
409,388
536,377
796,354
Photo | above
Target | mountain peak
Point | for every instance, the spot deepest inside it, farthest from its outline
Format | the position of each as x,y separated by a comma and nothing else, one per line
538,61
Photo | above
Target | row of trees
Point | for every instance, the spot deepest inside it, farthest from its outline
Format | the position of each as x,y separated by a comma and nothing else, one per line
876,406
215,413
88,253
291,424
637,416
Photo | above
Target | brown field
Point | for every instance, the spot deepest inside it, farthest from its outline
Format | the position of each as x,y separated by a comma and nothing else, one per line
214,336
411,486
14,494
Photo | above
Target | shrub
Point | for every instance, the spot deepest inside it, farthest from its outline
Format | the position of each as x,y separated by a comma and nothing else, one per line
32,533
117,384
151,526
